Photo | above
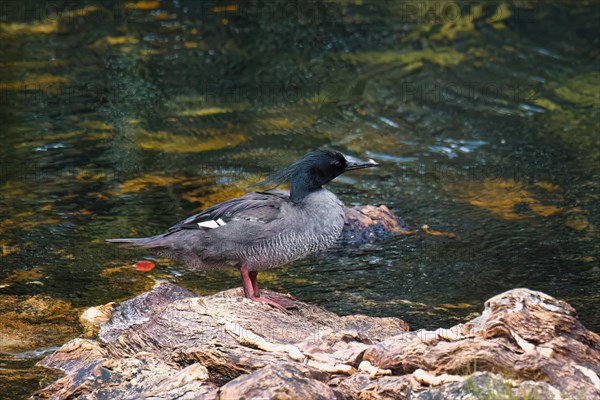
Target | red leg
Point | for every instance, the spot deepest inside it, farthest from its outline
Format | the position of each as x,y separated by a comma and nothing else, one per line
247,282
253,279
250,282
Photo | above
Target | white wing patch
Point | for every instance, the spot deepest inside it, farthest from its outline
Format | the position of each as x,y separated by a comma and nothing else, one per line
211,224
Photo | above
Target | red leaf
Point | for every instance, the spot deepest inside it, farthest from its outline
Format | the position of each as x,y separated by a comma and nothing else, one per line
144,266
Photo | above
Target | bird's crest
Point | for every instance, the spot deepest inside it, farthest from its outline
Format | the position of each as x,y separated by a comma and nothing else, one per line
285,174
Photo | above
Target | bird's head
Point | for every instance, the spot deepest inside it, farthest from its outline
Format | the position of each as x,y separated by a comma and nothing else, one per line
323,166
314,170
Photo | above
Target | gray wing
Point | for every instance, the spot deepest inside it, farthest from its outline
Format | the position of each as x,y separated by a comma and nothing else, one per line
262,207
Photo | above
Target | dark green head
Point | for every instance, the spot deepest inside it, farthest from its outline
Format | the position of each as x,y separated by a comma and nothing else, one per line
314,170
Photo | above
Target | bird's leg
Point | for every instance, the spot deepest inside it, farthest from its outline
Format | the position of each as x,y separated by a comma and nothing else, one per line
253,276
247,282
251,288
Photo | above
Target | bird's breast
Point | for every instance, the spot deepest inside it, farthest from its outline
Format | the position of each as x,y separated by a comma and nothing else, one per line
310,227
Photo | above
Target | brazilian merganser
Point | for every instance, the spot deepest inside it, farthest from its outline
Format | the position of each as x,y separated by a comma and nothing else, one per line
262,230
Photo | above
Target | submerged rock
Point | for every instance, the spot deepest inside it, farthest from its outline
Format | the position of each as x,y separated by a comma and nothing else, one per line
168,343
35,322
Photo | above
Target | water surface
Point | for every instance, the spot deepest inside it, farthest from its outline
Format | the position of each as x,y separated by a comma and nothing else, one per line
119,120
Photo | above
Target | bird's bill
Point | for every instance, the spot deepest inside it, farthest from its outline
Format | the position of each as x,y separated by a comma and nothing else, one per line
355,163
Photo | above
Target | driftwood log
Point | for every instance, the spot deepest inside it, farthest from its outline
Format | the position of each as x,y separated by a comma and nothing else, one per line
171,344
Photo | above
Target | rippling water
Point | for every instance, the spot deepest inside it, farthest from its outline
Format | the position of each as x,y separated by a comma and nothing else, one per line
118,120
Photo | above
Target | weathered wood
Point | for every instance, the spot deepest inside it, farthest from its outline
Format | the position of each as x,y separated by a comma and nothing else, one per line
168,344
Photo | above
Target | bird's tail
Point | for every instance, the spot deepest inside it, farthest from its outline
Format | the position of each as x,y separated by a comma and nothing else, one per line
147,242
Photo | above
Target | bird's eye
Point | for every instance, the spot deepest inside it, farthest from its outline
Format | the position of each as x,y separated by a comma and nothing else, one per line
337,164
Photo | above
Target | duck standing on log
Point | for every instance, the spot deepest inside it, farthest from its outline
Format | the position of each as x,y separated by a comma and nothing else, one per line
262,230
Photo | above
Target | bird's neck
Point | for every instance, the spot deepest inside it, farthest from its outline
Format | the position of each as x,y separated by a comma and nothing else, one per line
301,186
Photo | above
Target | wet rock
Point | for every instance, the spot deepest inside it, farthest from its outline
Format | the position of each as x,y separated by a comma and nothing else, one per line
368,223
169,344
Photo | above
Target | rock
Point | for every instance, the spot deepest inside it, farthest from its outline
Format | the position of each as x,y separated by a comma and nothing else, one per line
280,381
141,376
161,332
168,343
520,333
75,355
491,386
93,317
365,224
360,386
